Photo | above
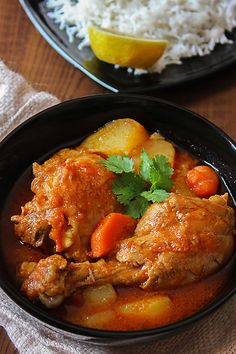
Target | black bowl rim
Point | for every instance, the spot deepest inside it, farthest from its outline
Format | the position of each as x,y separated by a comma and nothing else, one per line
69,328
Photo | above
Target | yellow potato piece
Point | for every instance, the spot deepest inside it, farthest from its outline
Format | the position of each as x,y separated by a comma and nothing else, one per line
98,320
149,308
155,145
118,137
99,295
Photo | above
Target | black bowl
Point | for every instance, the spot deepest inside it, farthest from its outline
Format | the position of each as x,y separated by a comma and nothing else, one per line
65,125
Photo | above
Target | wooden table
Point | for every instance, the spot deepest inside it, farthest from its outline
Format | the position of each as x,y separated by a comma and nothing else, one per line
25,51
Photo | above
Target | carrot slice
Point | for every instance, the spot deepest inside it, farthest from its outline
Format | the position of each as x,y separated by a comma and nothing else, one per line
203,181
111,229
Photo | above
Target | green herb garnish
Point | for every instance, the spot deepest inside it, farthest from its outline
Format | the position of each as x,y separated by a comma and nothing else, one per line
134,191
119,164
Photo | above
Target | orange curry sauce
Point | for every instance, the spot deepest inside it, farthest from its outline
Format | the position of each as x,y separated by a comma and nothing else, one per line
185,300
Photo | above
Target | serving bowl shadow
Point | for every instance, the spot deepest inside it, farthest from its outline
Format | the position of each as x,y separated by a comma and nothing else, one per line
66,125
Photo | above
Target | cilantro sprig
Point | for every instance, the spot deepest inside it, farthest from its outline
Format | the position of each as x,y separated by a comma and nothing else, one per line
119,164
152,184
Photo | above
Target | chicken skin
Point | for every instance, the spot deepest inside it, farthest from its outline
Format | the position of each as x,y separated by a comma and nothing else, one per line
176,242
73,191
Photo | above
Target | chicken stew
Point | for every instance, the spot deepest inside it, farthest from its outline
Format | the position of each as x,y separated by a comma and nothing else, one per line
124,232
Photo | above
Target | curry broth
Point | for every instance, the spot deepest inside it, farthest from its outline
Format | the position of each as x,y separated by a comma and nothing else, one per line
185,300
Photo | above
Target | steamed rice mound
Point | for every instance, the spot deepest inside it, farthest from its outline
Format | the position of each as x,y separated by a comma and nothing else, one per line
192,27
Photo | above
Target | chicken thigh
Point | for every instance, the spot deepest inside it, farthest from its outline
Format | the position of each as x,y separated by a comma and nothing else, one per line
176,242
73,191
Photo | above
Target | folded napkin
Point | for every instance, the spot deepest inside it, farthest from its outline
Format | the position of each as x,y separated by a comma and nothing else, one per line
215,334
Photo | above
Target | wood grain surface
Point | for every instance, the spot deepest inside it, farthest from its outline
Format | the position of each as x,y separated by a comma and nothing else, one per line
6,347
25,51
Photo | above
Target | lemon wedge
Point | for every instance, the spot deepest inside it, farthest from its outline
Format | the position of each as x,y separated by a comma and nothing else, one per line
124,50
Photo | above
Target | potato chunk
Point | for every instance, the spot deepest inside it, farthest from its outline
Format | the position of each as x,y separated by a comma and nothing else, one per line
98,320
99,295
148,308
155,145
118,137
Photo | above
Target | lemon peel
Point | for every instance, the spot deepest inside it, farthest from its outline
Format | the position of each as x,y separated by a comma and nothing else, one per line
125,51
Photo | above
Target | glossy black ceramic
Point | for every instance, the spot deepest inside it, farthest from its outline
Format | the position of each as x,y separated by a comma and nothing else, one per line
65,125
120,80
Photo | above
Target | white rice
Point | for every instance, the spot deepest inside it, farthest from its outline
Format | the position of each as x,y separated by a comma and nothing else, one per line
192,27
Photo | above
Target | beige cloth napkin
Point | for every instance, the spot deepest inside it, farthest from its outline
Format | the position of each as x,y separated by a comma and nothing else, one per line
215,334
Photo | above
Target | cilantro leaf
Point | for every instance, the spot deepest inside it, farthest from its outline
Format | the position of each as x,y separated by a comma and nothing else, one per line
119,164
161,162
152,184
145,165
156,196
127,187
160,173
157,171
137,207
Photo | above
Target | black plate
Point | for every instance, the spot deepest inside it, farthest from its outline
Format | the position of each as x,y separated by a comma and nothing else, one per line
120,80
65,125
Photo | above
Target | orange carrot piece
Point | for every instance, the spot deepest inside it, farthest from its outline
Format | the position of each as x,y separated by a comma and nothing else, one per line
111,229
203,181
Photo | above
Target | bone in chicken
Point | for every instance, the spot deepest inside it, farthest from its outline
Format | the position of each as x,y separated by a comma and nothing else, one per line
72,193
176,242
